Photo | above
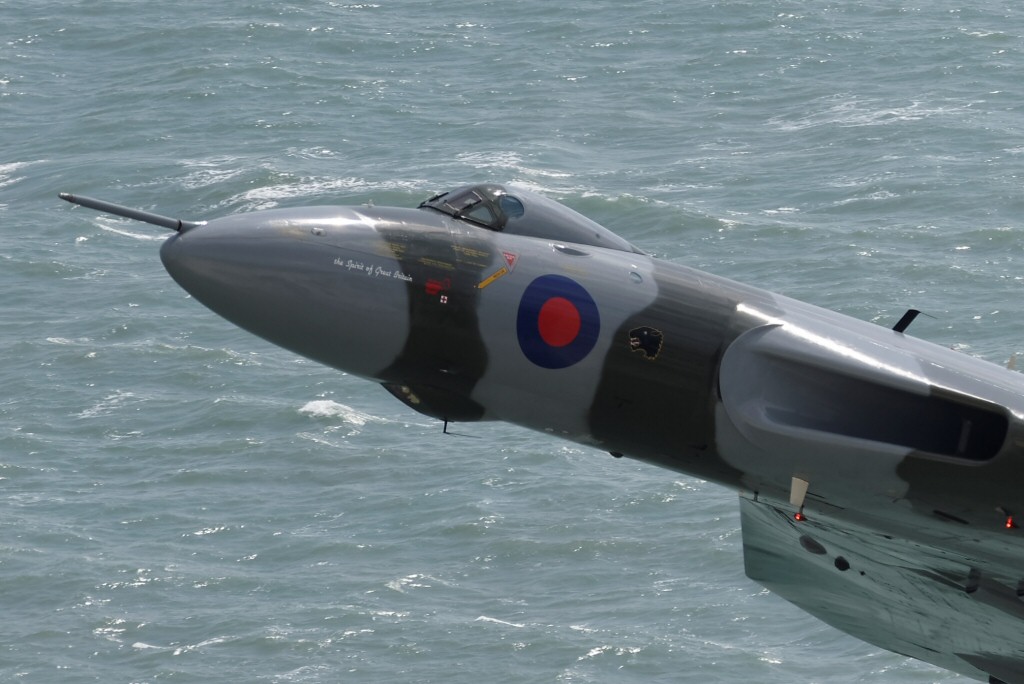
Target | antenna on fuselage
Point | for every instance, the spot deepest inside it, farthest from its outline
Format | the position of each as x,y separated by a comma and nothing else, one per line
907,319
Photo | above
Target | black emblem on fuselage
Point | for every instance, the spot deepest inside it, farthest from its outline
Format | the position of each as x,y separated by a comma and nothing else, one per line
646,340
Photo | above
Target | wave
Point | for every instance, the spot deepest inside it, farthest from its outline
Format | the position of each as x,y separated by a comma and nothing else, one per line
325,408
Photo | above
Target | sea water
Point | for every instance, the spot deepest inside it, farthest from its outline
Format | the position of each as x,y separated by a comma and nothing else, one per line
181,501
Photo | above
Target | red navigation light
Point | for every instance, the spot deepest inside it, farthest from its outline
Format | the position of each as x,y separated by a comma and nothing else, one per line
1010,524
799,515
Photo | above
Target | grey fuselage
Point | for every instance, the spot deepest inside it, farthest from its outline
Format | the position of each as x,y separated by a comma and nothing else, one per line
450,316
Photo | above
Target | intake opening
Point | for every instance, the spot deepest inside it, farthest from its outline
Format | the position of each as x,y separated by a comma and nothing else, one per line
942,423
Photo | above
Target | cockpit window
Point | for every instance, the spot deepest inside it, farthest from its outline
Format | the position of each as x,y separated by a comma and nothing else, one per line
521,212
484,205
482,214
511,206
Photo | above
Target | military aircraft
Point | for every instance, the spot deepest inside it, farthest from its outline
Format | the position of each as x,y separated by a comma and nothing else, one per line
880,476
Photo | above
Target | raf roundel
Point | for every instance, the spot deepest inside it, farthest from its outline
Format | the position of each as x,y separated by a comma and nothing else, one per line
558,322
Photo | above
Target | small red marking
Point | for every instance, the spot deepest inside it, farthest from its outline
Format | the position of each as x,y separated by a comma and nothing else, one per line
434,286
558,322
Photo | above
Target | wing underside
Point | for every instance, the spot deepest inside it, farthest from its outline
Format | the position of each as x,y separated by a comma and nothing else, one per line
950,608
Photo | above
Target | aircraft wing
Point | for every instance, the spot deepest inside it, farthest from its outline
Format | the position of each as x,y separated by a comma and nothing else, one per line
944,605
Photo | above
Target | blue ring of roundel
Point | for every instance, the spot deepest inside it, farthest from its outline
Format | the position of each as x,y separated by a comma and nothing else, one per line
536,295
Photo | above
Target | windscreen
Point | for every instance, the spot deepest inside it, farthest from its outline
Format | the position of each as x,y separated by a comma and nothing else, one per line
522,212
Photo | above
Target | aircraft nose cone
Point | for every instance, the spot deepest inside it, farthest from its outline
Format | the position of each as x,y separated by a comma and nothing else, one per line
213,262
300,283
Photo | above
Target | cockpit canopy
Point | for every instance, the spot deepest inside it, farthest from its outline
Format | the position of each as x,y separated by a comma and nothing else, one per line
521,212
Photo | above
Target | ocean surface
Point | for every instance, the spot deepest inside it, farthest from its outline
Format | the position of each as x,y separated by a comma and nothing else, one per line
181,501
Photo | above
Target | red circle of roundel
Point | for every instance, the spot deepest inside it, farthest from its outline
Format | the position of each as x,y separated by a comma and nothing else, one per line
558,322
